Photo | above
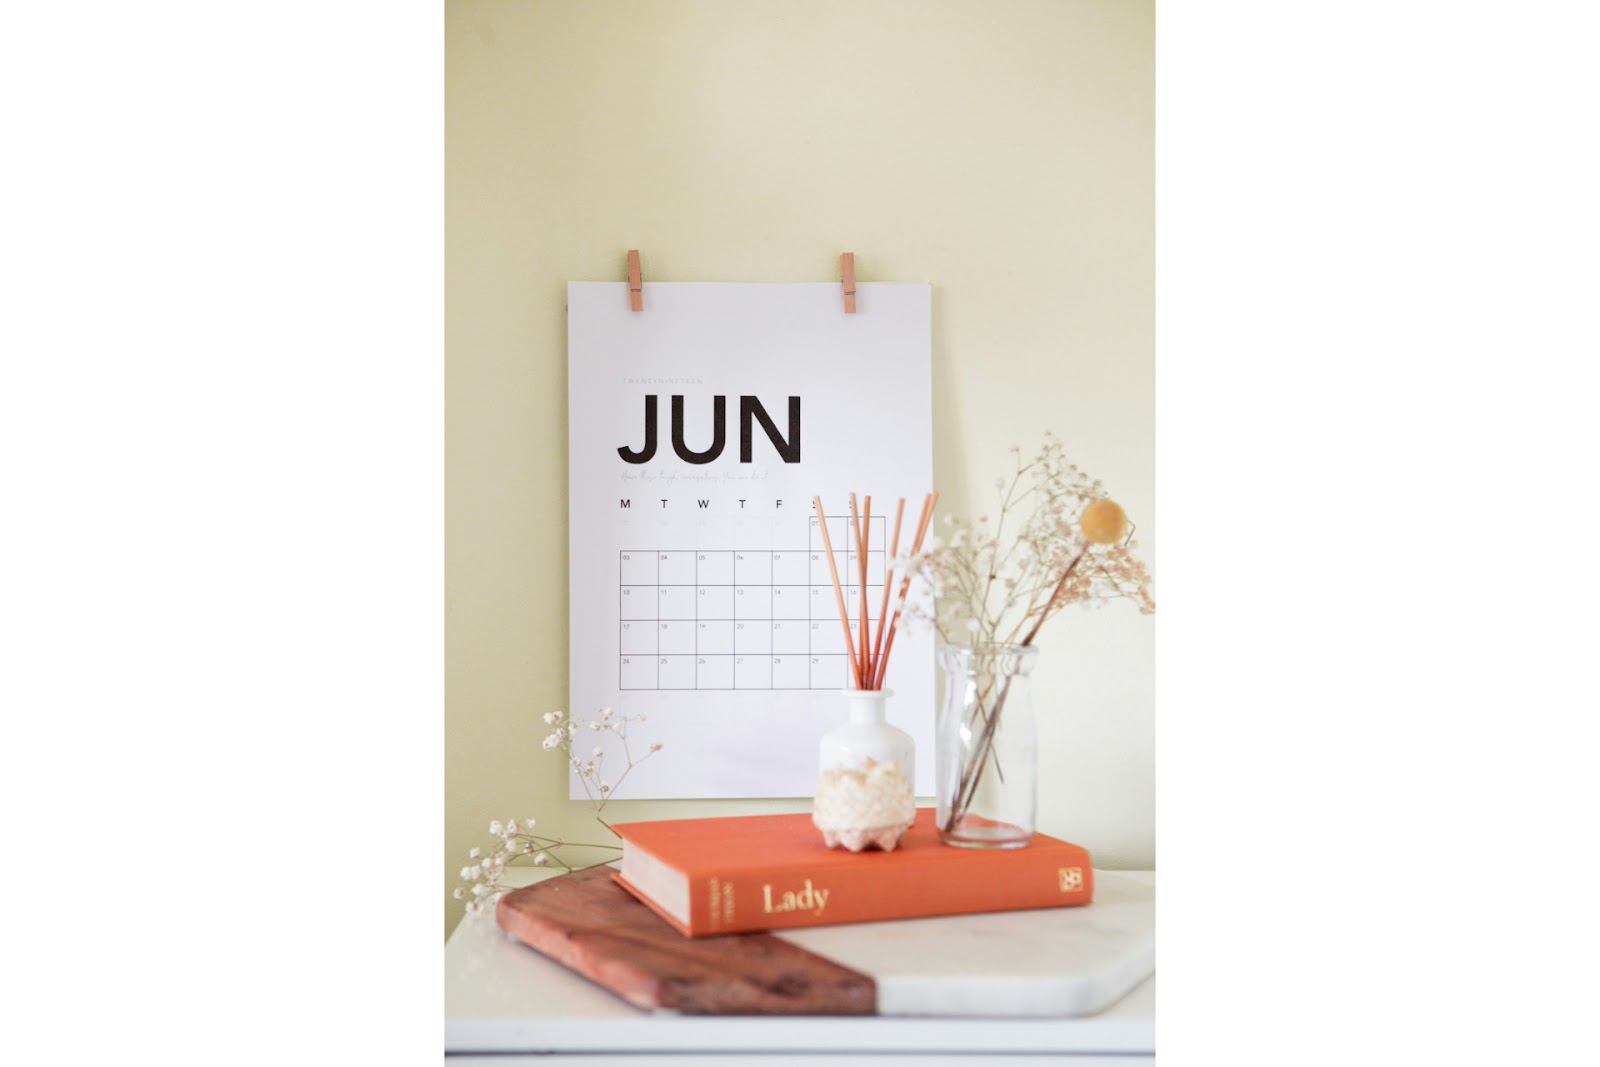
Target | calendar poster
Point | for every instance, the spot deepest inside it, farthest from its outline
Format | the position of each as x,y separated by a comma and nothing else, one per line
700,429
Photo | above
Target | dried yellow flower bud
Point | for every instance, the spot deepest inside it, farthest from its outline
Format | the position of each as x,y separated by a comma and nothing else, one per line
1104,522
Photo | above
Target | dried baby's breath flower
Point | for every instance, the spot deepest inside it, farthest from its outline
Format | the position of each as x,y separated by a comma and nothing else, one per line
516,838
1056,541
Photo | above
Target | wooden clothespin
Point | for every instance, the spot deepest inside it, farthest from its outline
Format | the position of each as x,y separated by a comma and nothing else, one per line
847,281
635,285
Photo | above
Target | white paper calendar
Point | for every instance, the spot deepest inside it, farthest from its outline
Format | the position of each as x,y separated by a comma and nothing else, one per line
699,430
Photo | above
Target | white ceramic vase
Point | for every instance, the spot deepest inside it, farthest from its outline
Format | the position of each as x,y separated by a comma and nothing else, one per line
866,734
864,787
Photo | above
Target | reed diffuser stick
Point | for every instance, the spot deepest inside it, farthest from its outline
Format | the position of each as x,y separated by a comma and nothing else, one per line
861,555
888,581
854,530
928,504
838,595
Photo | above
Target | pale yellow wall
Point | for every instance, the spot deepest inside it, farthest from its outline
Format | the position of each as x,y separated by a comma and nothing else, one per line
1002,150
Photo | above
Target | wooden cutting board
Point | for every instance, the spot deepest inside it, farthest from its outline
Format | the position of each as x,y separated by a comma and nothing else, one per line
593,926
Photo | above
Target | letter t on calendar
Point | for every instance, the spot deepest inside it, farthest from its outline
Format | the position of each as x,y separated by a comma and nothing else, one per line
700,596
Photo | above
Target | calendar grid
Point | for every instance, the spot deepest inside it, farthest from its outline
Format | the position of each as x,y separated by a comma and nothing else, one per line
744,618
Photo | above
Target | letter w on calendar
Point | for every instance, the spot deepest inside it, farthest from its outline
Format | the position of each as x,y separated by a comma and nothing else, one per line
699,430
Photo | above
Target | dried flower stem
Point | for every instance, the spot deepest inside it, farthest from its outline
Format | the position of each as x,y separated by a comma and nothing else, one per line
972,773
1055,595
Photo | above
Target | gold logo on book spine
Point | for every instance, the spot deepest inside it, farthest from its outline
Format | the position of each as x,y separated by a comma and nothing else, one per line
1071,879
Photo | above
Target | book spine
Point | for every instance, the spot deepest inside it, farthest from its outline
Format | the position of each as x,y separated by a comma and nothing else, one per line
793,898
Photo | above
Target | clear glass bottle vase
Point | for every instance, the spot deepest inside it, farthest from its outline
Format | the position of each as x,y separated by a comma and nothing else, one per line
987,752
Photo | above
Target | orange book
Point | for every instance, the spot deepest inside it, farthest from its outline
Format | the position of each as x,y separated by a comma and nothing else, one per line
772,872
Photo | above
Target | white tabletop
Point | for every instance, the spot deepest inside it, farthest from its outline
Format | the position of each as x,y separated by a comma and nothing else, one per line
503,997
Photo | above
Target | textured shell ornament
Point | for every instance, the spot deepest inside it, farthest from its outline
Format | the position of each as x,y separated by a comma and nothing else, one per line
870,805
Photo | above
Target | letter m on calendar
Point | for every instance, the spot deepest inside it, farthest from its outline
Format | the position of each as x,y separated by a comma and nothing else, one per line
700,595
